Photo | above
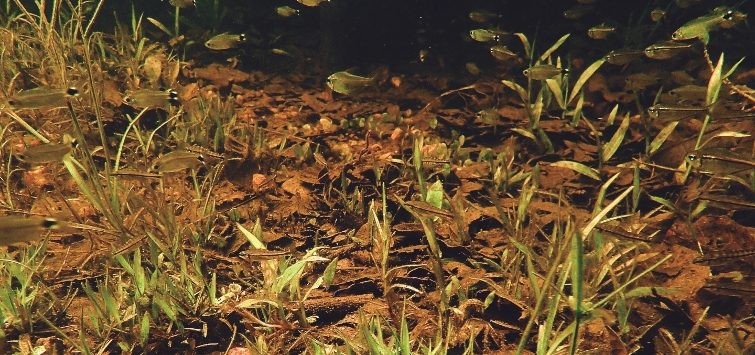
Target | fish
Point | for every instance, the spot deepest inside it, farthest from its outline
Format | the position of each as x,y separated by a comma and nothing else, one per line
719,161
312,3
577,12
700,28
183,3
683,4
178,160
286,11
657,14
666,50
489,116
623,56
670,113
15,229
601,31
46,153
225,41
283,52
543,71
483,16
502,53
424,53
151,98
484,35
42,98
689,93
472,68
346,83
639,81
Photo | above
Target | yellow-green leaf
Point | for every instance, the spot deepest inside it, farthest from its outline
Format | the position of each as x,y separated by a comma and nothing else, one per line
584,77
613,145
661,137
578,167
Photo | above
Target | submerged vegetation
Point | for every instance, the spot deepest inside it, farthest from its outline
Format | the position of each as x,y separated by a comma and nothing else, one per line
177,179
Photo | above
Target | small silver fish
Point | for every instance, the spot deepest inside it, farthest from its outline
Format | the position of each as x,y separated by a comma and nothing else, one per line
719,161
689,93
600,31
671,113
151,98
640,81
42,98
225,41
666,50
543,71
657,14
424,53
178,160
483,16
183,3
286,11
502,53
485,35
45,153
472,68
15,229
346,83
577,12
623,56
312,3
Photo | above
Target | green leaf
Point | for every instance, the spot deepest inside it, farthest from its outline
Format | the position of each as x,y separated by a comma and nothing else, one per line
557,93
435,194
525,43
661,137
613,145
554,47
144,328
584,77
159,25
612,115
578,167
525,133
516,88
330,272
256,243
714,84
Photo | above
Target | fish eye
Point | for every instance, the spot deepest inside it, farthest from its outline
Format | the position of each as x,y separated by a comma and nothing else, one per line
242,37
526,71
174,101
11,102
49,223
72,91
692,157
200,157
172,94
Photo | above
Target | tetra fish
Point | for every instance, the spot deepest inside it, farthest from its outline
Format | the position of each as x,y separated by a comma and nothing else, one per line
183,3
346,83
286,11
151,98
42,98
225,41
543,71
312,3
45,153
484,35
483,16
666,50
502,53
178,160
600,31
623,56
15,229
